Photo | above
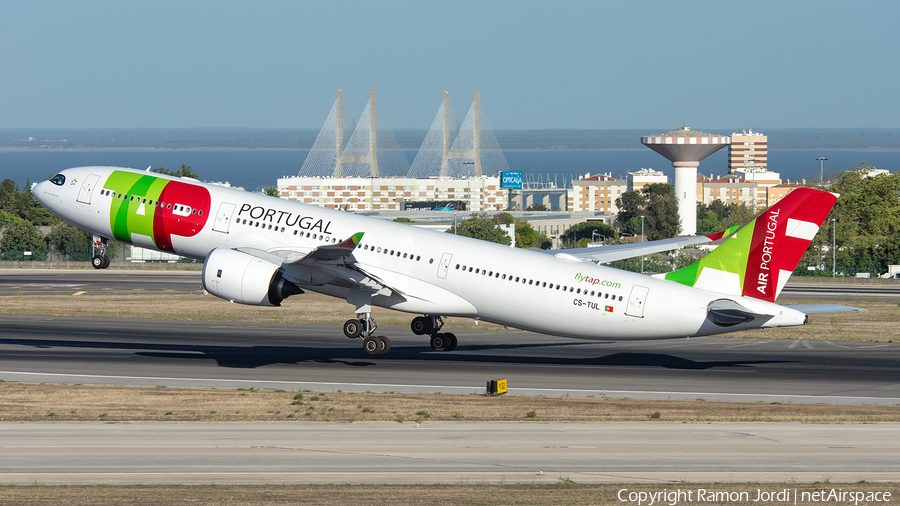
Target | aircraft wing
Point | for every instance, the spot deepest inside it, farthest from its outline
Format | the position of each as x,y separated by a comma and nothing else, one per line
309,258
603,254
329,264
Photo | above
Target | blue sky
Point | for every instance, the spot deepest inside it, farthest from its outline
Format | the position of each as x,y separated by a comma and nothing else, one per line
562,64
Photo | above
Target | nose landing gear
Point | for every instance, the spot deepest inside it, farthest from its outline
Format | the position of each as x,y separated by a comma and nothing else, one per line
98,246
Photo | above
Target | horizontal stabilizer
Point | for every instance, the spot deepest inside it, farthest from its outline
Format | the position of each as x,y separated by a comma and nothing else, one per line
824,308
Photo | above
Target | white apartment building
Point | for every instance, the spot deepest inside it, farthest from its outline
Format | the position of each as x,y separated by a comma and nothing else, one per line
748,150
764,180
639,179
596,193
730,190
389,194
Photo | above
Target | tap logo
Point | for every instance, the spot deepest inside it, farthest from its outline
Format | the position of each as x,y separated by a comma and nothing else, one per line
156,208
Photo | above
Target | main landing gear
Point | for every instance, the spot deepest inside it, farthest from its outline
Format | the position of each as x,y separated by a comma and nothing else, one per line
431,325
364,326
98,246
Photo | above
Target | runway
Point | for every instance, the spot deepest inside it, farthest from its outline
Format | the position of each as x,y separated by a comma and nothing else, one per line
446,452
319,357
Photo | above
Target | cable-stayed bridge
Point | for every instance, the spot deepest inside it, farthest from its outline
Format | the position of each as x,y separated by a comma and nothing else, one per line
371,148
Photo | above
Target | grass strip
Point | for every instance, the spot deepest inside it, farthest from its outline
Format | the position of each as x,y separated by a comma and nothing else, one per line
562,492
33,402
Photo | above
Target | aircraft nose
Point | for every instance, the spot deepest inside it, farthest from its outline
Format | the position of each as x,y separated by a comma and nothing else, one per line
39,190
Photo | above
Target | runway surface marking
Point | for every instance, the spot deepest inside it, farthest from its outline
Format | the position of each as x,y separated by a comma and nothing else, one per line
408,388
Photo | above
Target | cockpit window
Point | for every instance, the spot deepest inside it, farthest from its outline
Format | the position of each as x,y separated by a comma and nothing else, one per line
58,180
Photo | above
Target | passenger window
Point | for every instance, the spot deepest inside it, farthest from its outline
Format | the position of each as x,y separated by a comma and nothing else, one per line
431,261
517,279
530,281
417,258
379,250
620,298
504,276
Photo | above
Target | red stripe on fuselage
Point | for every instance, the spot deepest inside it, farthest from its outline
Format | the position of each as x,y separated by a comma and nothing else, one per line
169,221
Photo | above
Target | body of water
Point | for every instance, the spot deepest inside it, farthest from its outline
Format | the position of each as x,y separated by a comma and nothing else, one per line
255,169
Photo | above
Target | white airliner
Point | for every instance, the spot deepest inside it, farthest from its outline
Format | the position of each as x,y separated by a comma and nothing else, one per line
258,250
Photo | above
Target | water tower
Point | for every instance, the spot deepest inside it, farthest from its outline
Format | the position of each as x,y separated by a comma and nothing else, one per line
685,148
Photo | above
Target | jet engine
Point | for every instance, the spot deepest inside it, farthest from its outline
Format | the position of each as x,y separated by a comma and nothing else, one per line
240,277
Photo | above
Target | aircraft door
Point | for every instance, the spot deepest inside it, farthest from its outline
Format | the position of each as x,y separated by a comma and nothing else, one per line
444,265
84,195
223,217
636,301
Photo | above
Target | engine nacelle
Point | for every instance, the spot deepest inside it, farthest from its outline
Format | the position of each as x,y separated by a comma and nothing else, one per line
246,279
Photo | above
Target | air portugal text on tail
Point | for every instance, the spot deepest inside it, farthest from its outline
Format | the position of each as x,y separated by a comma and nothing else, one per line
260,250
759,260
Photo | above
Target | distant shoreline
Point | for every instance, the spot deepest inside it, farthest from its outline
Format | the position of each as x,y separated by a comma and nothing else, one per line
19,149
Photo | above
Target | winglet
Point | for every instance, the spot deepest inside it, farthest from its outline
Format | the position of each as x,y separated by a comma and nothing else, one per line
352,242
760,258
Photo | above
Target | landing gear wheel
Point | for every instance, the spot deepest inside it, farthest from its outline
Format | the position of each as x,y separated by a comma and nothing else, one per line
372,345
439,342
105,262
421,325
385,345
352,328
97,261
451,342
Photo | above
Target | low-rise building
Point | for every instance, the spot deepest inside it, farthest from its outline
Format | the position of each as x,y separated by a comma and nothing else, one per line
638,179
730,190
596,193
376,194
780,191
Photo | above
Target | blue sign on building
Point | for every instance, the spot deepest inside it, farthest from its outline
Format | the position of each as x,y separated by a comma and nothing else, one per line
511,179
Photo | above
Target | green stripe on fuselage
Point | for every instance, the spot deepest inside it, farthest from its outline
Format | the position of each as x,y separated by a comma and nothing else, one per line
123,215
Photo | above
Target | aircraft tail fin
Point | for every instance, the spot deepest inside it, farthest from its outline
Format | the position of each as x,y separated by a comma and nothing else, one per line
759,259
